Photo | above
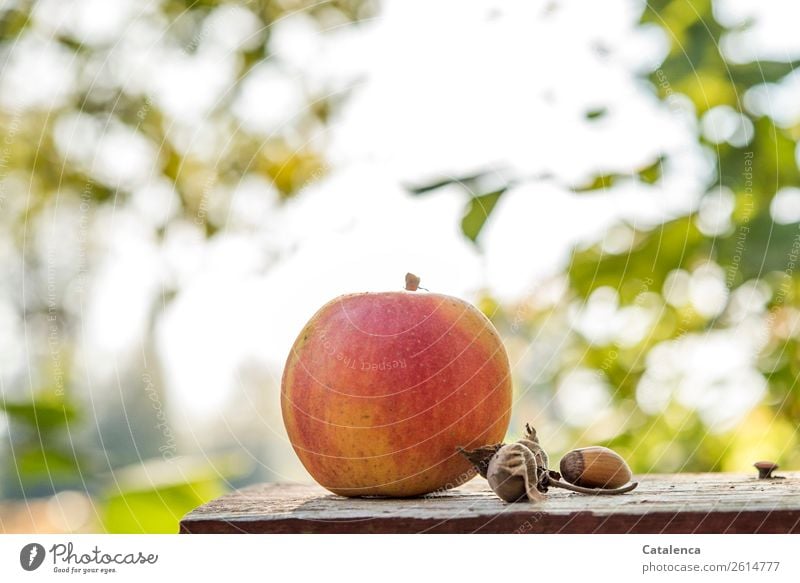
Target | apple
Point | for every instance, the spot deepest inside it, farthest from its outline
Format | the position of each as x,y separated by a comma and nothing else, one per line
380,388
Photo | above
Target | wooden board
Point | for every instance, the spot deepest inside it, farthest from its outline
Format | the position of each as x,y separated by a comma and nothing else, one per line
679,503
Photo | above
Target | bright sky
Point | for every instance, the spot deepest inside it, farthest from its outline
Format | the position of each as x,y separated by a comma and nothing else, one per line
466,92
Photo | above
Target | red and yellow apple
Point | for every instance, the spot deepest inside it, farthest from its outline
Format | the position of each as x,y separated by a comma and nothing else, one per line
380,388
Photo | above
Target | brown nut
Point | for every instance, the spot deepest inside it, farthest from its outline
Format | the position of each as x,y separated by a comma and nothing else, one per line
595,467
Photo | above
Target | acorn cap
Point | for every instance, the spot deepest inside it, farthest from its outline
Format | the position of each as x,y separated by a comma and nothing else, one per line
595,467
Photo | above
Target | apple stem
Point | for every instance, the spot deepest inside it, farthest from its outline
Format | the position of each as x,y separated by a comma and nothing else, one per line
412,282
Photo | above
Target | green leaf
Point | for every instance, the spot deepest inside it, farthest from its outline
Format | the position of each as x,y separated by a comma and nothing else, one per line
651,174
467,181
159,510
36,463
42,414
760,248
748,75
598,113
670,246
478,210
13,22
764,166
598,183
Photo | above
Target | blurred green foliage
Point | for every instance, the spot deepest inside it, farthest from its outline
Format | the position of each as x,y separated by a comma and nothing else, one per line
42,451
158,510
56,439
753,250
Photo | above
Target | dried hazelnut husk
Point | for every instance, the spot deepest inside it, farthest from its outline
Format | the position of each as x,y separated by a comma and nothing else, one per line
480,457
531,441
513,473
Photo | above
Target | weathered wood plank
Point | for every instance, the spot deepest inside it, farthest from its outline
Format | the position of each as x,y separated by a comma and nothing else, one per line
679,503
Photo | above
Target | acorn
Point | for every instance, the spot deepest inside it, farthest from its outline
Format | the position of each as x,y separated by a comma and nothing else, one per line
595,467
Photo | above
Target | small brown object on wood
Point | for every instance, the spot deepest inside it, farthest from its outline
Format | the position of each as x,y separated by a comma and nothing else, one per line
765,470
668,503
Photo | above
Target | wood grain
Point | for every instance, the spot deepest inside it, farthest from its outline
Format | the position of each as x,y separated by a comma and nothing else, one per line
679,503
